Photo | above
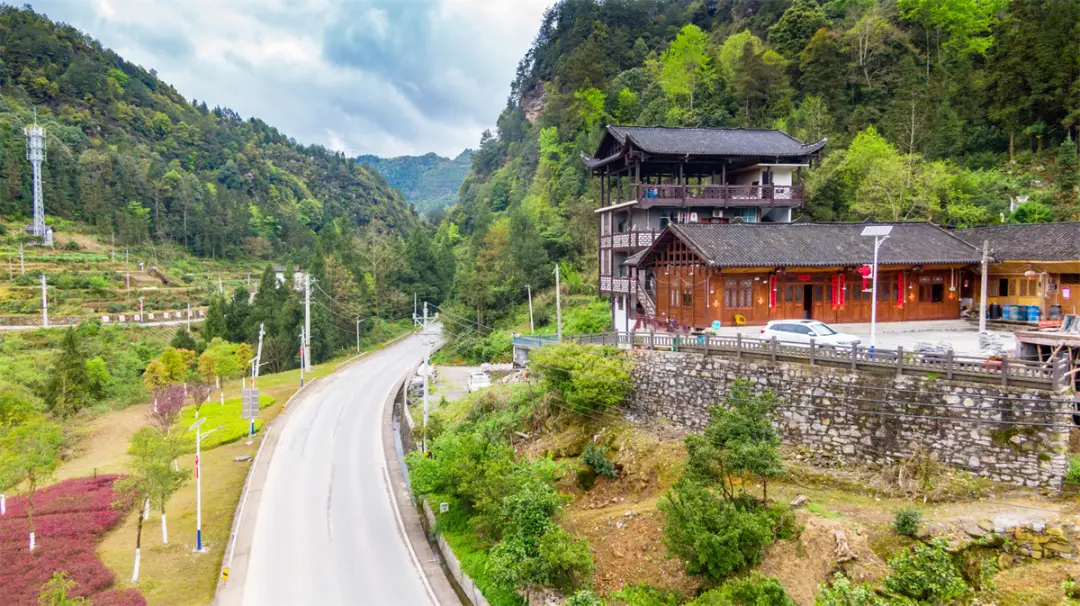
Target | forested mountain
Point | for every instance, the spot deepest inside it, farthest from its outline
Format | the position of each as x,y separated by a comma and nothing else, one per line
129,155
934,109
428,182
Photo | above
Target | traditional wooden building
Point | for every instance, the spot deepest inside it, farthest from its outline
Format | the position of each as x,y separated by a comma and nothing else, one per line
653,177
1032,265
700,273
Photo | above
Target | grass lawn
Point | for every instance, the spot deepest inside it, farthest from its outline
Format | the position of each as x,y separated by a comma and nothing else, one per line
172,574
223,419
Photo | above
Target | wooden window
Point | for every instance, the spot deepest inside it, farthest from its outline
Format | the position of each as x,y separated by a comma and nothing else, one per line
1013,287
731,294
937,293
1003,287
884,290
789,294
746,294
687,296
738,294
817,293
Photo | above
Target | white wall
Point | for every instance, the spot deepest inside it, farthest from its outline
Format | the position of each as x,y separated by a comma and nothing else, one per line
621,316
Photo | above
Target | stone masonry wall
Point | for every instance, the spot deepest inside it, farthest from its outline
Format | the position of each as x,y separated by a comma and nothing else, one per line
873,417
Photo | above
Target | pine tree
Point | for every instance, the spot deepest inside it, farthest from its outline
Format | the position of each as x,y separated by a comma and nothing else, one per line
68,388
183,340
214,326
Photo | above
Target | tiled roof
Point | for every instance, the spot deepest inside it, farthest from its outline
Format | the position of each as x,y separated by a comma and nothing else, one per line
1028,241
635,258
714,141
820,244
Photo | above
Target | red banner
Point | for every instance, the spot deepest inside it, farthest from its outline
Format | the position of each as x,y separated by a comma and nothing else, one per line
772,292
900,289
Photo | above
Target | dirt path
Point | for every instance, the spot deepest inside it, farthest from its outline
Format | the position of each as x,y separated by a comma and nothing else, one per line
102,445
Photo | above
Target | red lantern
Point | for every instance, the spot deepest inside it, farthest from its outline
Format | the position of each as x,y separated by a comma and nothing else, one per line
865,272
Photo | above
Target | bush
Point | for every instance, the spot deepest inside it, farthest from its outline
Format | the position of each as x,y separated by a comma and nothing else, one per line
754,590
594,457
926,574
843,593
584,598
590,319
70,518
645,595
906,521
587,378
713,537
1073,473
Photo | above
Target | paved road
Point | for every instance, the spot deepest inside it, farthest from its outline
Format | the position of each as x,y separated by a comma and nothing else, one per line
326,530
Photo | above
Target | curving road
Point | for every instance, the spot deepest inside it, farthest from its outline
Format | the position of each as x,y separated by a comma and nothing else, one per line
326,529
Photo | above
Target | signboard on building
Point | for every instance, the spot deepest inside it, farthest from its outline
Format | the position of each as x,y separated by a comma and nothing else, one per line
250,403
1066,292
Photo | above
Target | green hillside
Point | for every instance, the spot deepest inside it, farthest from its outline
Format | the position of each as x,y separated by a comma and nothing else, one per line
428,182
128,155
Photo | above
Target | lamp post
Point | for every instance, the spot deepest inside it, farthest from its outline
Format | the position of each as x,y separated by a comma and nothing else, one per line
880,233
199,436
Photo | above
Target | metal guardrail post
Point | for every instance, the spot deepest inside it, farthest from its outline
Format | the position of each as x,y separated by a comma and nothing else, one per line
900,361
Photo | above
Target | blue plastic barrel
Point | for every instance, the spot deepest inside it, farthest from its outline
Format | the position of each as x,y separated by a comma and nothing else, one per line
1021,313
1034,314
1007,313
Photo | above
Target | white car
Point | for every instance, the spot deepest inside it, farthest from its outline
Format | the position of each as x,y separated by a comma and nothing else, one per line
478,381
801,331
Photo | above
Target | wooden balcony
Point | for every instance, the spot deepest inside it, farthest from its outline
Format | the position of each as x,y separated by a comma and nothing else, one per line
719,195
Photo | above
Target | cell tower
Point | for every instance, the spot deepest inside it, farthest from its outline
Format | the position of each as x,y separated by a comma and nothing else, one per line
35,152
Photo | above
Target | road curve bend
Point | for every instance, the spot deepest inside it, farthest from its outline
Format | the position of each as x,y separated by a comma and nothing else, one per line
326,528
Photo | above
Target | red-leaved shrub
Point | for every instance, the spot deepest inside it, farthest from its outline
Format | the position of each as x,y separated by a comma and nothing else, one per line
69,518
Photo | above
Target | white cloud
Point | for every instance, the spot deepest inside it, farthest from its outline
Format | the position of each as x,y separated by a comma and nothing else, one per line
387,77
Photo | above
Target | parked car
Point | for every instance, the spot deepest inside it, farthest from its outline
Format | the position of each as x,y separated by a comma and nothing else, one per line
801,331
478,380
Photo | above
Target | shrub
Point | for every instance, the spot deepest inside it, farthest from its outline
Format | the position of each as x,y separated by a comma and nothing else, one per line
587,378
72,246
594,457
906,521
1073,473
584,598
739,439
70,518
590,319
713,537
754,590
926,574
843,593
1071,588
645,595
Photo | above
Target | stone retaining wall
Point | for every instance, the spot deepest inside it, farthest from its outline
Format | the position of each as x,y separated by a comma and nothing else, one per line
874,417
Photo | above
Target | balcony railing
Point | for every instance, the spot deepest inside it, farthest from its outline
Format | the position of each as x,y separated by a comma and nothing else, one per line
723,195
634,239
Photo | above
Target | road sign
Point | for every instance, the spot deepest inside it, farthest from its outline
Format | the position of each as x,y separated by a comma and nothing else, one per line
250,397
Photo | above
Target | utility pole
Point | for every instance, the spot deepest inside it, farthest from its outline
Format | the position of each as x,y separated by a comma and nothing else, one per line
427,374
44,303
532,327
140,311
199,437
558,306
220,287
307,321
983,286
357,335
414,318
127,272
301,356
258,354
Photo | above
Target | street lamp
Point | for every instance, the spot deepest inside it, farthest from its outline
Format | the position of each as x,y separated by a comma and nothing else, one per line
880,233
199,436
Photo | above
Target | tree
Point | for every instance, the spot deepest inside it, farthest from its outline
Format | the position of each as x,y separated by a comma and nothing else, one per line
17,405
57,592
685,64
759,78
790,34
967,23
177,364
740,439
220,360
155,377
588,378
214,325
183,340
98,378
29,454
734,46
166,412
236,317
67,391
380,260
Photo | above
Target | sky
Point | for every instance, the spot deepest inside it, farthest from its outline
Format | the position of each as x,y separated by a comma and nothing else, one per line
384,77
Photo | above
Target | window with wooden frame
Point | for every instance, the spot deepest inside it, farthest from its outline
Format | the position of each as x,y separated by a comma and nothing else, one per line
738,294
688,295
